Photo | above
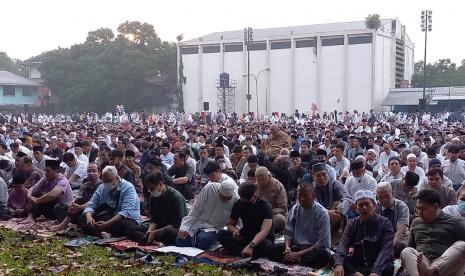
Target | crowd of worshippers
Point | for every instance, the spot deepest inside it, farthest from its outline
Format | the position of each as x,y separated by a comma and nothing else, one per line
348,197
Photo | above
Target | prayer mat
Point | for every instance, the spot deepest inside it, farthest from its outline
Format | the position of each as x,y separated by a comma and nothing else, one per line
39,227
269,267
219,258
126,244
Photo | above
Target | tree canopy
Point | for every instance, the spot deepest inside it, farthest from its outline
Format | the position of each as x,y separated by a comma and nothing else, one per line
372,21
443,72
106,70
7,64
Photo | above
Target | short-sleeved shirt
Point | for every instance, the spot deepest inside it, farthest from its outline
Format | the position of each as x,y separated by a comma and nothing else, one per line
44,186
399,211
252,216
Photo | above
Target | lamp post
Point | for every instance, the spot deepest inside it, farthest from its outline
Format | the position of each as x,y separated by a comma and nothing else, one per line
426,26
248,42
256,82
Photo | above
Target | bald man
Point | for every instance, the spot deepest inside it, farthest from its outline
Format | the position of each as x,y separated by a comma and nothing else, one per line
396,211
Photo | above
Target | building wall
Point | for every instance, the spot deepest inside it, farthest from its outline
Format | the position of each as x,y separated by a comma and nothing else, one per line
258,62
34,72
334,77
305,78
236,72
280,84
359,79
192,101
18,99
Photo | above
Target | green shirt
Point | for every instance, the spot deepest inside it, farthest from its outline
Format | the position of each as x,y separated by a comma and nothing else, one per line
167,209
434,238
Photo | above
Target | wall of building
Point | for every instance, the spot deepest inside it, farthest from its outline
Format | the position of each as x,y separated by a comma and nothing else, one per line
34,72
341,77
19,98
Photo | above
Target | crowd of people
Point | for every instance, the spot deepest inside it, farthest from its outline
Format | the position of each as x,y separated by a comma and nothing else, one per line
349,191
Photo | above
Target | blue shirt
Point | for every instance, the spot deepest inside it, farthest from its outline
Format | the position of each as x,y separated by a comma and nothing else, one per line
128,206
308,226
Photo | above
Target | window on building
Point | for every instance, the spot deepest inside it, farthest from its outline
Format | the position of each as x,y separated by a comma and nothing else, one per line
27,91
332,41
258,46
360,39
233,48
9,91
211,49
280,44
305,43
189,50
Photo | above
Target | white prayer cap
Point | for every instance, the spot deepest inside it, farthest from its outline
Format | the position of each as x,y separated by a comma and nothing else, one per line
411,155
227,189
364,194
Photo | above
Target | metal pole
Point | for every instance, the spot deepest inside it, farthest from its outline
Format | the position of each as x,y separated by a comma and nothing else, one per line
256,91
248,79
424,65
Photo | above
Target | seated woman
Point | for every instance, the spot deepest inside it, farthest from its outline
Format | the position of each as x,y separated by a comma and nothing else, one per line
167,207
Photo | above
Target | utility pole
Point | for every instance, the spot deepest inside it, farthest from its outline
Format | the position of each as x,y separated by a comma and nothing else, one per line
248,39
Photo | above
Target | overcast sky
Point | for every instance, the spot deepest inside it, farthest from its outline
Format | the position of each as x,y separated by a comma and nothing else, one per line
28,28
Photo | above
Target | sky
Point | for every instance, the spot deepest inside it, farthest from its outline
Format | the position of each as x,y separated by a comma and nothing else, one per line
30,27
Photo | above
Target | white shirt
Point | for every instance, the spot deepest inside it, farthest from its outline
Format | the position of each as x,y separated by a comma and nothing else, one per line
452,210
366,182
208,211
80,169
384,160
419,171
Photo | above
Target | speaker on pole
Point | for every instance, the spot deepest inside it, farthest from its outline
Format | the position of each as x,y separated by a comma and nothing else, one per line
206,106
224,80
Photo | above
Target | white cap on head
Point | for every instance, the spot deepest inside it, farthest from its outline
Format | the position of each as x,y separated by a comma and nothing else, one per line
364,194
227,189
411,155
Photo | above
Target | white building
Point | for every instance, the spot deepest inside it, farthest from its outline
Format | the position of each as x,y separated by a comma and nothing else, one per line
337,66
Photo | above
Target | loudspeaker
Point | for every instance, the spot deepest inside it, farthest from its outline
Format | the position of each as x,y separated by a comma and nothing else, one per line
224,80
206,106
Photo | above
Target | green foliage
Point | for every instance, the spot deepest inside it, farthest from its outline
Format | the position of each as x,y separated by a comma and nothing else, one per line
441,73
101,36
104,71
7,64
48,256
372,21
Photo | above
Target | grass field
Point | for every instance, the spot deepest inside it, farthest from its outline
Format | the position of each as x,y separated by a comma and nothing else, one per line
19,255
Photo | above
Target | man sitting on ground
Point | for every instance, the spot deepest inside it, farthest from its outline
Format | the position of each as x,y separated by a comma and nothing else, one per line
114,206
274,192
210,212
436,240
51,196
76,170
371,238
256,233
397,212
307,232
86,191
167,207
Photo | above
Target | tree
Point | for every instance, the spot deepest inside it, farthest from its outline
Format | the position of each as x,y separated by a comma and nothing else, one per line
102,72
372,21
7,64
100,36
440,73
139,33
